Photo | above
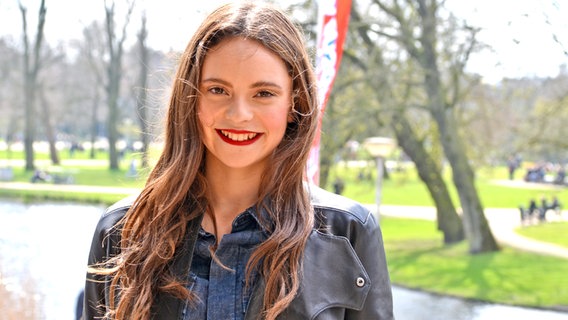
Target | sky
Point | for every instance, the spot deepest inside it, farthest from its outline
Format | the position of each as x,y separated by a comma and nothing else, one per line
520,32
521,36
170,22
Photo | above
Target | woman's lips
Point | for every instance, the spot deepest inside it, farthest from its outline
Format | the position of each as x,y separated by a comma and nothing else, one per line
238,137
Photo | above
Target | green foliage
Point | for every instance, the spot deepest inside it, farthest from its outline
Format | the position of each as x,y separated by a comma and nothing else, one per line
417,259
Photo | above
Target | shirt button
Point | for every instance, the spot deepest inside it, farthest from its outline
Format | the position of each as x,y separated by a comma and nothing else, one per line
360,282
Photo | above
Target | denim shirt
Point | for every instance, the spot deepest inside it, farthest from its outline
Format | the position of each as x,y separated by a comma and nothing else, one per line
221,289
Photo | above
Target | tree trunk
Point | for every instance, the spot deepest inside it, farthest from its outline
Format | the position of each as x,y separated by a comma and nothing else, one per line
476,227
449,223
114,72
29,132
31,70
94,122
48,127
113,89
142,96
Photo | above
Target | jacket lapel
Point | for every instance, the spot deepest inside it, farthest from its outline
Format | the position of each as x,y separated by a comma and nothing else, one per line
165,305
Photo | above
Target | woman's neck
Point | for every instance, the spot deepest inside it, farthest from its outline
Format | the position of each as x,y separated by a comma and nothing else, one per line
231,191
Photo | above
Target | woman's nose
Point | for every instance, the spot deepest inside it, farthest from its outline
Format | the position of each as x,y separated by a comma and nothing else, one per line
239,110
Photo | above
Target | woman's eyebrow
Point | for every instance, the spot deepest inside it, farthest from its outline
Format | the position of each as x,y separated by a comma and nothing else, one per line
216,80
260,84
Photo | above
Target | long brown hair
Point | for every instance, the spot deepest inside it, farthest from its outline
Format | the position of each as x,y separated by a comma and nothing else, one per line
175,191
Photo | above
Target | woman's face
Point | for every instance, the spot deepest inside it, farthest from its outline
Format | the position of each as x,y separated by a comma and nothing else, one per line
244,103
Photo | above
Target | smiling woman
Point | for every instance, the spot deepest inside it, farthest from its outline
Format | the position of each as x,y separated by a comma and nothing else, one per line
227,226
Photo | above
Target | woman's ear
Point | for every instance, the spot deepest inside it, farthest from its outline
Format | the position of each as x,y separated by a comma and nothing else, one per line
292,111
291,114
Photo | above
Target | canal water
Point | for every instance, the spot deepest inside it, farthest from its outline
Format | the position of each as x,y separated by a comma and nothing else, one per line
45,246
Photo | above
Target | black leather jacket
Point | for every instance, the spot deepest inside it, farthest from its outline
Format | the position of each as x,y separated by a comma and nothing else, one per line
344,268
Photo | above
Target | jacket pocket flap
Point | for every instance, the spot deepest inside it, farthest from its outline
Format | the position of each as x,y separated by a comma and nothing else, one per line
333,276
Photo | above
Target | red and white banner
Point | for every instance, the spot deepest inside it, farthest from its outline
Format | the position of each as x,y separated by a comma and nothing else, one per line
333,19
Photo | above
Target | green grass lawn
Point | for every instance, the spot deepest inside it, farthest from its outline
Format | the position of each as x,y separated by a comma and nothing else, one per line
553,232
89,174
417,259
29,196
92,172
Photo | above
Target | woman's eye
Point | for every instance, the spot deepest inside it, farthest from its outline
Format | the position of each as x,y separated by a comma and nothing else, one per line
265,94
217,90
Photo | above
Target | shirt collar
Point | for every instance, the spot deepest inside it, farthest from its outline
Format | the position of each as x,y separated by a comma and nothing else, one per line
250,220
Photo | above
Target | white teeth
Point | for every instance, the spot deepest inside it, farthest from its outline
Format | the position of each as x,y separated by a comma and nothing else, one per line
239,136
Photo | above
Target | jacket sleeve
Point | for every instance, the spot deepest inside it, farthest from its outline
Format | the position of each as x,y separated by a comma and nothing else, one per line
368,244
104,245
346,218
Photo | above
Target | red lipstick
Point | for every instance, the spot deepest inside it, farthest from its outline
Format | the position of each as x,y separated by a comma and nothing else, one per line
238,137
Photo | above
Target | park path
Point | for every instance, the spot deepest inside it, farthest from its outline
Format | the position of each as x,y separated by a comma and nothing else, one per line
503,222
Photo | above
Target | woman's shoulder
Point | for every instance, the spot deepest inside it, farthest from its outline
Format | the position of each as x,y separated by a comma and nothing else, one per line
113,214
336,208
107,232
120,206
